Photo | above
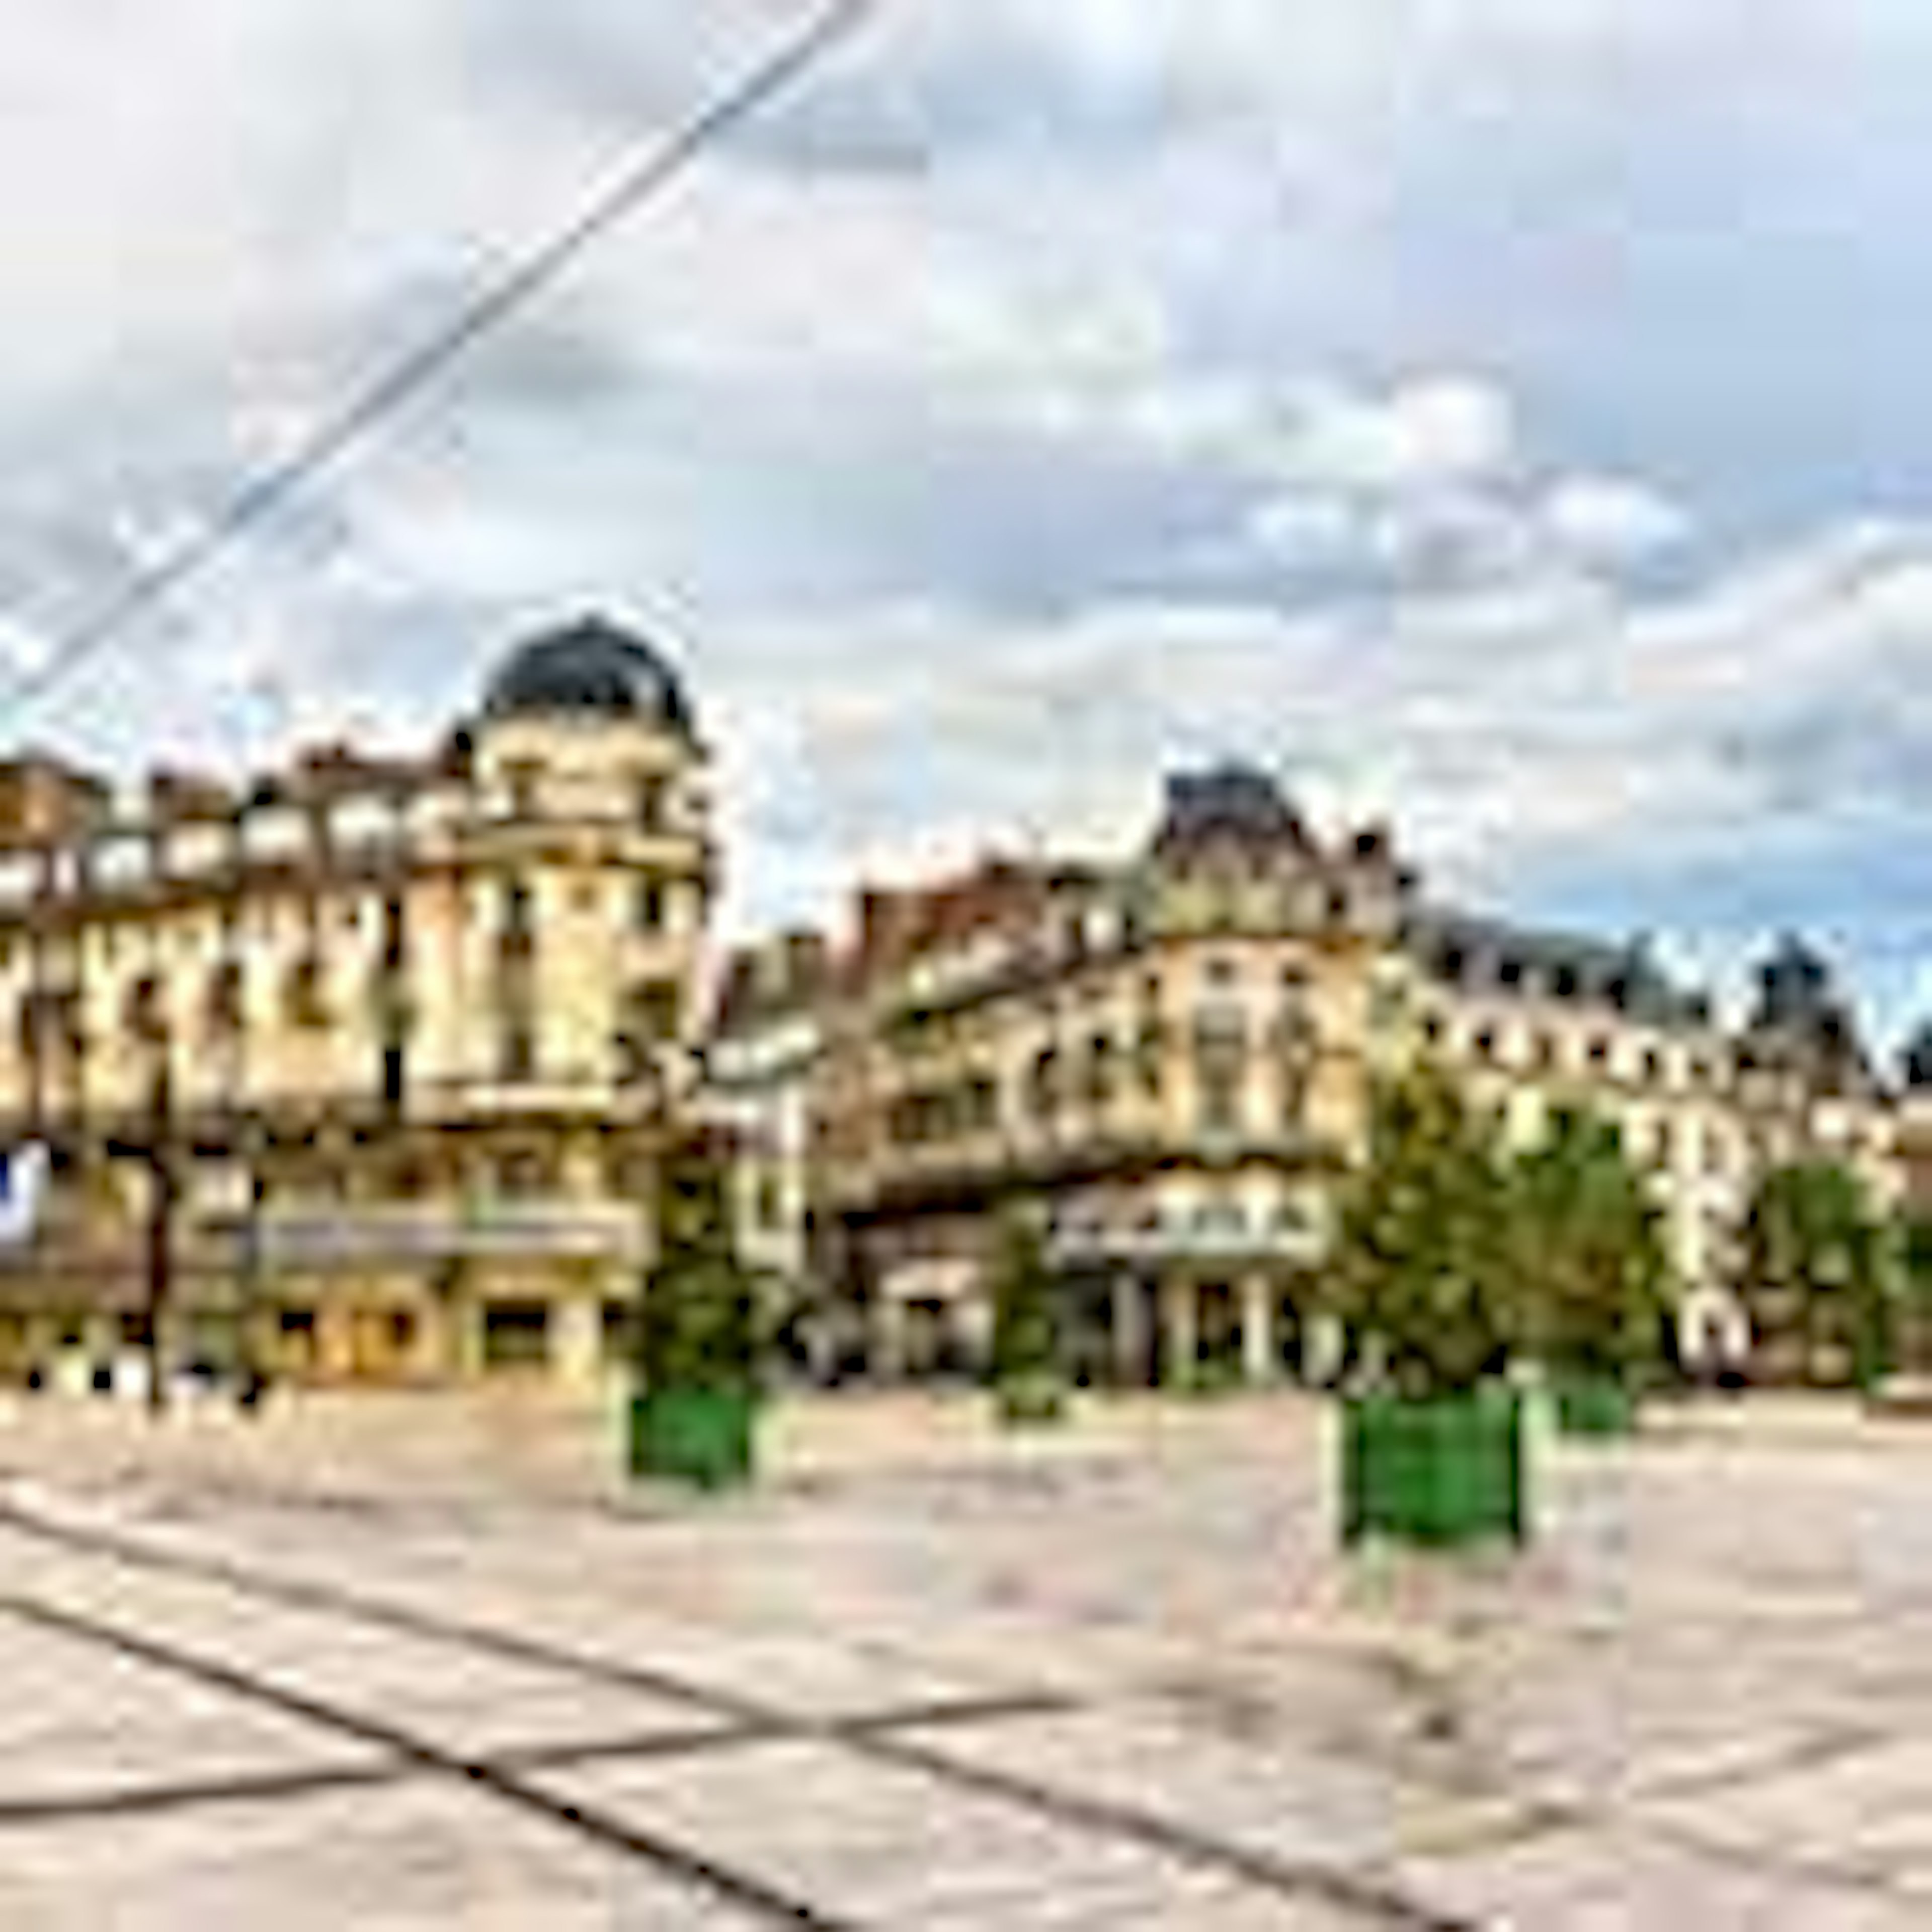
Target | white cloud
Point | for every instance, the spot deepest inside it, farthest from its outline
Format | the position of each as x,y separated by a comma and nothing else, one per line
1612,520
1426,435
1055,390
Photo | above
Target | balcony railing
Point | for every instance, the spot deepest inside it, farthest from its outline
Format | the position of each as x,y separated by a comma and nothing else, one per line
334,1234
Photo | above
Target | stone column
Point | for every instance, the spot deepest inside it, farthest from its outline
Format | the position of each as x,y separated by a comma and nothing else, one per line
885,1349
1323,1346
334,1334
577,1345
1180,1323
1259,1366
1130,1332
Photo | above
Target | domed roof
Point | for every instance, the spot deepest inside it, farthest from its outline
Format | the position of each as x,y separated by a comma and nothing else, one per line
592,665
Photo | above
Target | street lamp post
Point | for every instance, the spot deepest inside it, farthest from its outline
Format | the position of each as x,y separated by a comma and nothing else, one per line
252,1137
160,1228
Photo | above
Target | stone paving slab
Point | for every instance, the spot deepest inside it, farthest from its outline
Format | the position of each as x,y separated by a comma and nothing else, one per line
884,1845
412,1857
1697,1700
1627,1879
1867,1814
464,1702
77,1725
1285,1803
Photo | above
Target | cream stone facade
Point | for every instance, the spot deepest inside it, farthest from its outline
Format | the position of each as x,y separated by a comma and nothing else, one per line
398,1041
1175,1058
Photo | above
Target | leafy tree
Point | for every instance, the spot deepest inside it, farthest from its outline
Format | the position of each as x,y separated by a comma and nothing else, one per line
1423,1269
1026,1327
699,1322
1913,1247
1817,1269
1594,1268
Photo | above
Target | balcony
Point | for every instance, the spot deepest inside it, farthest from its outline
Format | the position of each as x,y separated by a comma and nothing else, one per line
336,1235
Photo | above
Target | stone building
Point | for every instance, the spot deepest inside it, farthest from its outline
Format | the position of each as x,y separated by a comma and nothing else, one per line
1174,1057
394,1041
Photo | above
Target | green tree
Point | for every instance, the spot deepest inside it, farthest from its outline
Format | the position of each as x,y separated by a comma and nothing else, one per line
1593,1264
1817,1263
1423,1269
1026,1324
1912,1329
699,1324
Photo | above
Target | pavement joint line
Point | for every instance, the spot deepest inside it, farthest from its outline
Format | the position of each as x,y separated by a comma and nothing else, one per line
752,1714
138,1801
1852,1873
269,1785
1368,1896
737,1887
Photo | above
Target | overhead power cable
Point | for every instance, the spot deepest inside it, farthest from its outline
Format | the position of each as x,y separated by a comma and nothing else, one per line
511,290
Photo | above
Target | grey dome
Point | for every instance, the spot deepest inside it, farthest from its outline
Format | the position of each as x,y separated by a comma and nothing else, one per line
592,665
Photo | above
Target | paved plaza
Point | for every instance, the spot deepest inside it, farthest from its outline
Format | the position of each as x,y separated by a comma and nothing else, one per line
402,1664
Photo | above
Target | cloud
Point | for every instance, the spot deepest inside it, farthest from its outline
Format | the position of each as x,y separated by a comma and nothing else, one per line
1051,394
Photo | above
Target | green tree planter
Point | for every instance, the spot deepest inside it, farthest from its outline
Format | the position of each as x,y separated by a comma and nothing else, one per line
1440,1471
694,1418
1602,1406
1031,1400
703,1436
1423,1273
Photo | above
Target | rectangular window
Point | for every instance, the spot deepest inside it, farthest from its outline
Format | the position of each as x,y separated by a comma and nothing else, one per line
302,996
392,1076
656,1010
1220,1104
619,1325
651,805
516,1335
770,1205
519,1053
650,905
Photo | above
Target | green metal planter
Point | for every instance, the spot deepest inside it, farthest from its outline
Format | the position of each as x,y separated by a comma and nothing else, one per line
705,1437
1031,1401
1442,1471
1594,1406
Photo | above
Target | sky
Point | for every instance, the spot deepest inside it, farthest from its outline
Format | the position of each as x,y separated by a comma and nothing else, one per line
1500,415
